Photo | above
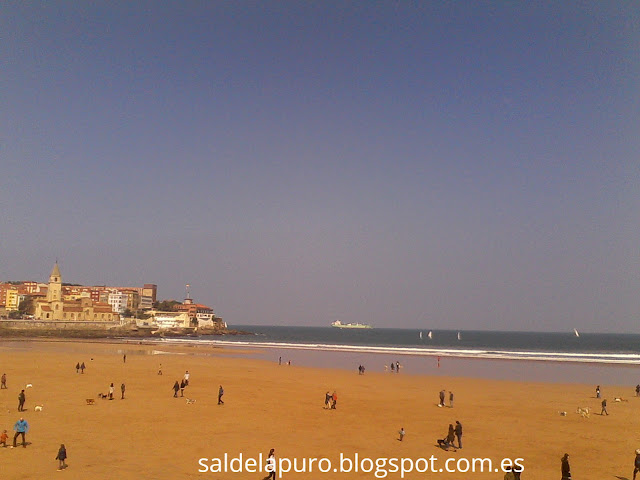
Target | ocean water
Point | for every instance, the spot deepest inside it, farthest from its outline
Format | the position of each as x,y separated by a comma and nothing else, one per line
591,358
557,347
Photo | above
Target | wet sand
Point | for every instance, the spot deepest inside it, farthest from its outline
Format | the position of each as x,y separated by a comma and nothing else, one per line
150,434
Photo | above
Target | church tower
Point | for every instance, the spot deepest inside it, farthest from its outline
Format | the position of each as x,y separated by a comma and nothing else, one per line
54,293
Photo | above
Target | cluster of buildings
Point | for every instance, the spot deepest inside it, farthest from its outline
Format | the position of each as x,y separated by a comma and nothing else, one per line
54,301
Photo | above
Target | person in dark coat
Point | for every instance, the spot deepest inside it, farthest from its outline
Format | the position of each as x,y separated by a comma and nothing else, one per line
458,431
176,387
78,367
566,469
122,388
220,393
183,385
21,400
62,455
82,367
636,464
604,407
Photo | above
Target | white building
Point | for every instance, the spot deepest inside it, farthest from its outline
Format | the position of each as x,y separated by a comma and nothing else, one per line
118,301
170,319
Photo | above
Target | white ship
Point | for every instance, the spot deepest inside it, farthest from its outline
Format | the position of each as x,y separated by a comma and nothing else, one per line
339,324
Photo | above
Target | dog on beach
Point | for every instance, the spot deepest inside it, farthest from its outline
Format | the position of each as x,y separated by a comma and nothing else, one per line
28,386
38,408
91,401
583,411
190,401
103,395
620,399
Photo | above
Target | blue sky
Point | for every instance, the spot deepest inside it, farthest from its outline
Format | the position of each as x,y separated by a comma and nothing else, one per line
431,165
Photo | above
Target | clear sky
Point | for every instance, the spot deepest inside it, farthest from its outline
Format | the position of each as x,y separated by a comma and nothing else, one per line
463,165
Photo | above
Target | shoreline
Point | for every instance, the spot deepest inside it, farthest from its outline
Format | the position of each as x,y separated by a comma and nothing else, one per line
549,372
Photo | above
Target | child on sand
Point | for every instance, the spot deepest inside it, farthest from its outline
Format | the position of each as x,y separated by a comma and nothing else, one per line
62,455
401,433
3,438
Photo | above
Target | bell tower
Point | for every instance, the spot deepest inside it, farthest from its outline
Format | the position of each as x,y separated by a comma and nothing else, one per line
54,293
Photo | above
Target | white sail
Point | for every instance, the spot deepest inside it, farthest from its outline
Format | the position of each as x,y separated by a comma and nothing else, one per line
420,335
576,332
430,334
458,335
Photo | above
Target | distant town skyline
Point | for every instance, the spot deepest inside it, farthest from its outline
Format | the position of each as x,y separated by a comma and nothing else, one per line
437,165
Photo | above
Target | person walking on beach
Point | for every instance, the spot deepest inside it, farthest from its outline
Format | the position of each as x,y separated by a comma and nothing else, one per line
111,392
3,438
279,360
450,399
636,464
82,367
160,370
327,400
604,407
271,464
598,391
397,367
393,367
638,390
565,467
3,381
220,393
401,433
78,367
334,397
124,358
61,457
186,378
21,428
21,400
176,387
447,442
122,387
441,403
458,431
183,385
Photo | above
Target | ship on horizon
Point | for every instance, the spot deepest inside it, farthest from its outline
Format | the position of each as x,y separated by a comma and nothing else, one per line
339,324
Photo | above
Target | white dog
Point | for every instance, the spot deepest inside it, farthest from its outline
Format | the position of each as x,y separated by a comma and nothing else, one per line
29,386
583,411
38,408
190,401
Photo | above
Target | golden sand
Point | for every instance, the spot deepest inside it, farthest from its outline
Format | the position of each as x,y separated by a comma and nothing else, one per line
152,435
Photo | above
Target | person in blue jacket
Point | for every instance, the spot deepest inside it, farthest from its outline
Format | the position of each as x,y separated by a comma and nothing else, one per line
21,427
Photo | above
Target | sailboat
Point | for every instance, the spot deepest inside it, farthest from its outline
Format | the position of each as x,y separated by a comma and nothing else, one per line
576,332
459,336
430,334
420,335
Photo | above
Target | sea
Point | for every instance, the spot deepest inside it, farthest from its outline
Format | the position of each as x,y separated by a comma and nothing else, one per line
529,356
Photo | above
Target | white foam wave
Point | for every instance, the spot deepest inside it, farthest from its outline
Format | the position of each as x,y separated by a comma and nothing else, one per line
606,358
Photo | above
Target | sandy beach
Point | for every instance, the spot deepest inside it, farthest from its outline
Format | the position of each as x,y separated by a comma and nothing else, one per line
150,434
